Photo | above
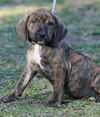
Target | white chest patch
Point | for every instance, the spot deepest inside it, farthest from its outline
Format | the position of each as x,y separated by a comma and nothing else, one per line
36,55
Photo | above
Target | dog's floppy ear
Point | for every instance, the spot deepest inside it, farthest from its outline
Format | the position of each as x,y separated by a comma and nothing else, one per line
21,28
60,31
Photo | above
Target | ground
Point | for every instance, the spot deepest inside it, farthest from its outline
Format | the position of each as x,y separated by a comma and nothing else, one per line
82,19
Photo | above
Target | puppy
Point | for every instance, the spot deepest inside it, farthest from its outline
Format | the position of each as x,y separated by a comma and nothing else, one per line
69,71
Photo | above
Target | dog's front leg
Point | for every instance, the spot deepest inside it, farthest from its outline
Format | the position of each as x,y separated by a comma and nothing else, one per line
25,78
58,85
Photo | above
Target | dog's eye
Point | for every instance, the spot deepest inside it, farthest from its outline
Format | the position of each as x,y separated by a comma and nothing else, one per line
34,21
50,23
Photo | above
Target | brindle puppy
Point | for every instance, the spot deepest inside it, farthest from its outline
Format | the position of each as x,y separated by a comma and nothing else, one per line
69,71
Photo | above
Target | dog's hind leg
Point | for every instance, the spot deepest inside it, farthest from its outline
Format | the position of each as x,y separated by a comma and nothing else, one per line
26,77
96,86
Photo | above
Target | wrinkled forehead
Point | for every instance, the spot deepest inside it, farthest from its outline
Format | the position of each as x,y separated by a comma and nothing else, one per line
42,15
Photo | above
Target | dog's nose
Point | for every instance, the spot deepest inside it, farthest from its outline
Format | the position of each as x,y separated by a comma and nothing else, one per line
41,34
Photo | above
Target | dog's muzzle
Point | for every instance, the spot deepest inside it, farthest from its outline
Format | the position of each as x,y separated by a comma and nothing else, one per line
40,38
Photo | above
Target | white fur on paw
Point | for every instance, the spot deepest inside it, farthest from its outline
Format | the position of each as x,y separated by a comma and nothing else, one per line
92,98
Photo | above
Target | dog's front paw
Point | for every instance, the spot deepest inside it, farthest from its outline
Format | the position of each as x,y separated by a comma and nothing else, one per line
53,103
6,99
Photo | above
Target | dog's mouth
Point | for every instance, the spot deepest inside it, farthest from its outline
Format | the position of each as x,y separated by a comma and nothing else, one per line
39,42
36,39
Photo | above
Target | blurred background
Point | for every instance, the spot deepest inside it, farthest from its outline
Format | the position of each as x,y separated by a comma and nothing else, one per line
81,17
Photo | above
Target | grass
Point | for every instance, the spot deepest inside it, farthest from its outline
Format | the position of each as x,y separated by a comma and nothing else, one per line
82,20
95,47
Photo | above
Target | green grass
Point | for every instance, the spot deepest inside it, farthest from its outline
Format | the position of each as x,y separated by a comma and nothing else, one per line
92,48
81,19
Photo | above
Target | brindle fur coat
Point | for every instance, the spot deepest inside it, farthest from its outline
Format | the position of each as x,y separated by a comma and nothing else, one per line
70,72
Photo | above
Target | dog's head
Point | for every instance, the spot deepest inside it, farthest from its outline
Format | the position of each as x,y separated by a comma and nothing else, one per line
41,27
